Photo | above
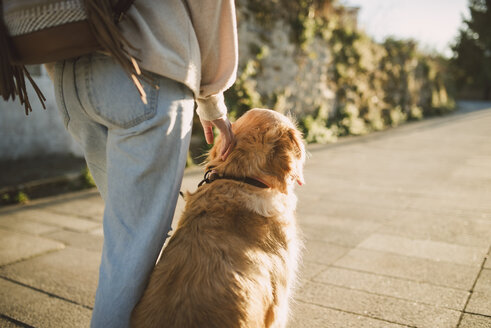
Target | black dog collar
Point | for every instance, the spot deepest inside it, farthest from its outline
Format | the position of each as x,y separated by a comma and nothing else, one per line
211,176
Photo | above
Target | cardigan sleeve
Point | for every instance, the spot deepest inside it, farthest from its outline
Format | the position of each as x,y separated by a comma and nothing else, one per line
215,25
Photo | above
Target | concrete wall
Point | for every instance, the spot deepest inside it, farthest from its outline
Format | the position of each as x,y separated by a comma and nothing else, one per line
40,133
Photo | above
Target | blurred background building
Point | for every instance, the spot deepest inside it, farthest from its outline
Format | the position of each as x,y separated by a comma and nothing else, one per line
41,132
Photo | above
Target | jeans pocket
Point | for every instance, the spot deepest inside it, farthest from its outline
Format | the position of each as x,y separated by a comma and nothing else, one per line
112,96
59,94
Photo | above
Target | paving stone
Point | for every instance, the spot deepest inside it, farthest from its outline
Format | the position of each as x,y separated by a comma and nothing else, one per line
37,309
484,282
355,198
455,230
15,247
70,273
26,226
487,264
472,208
451,197
308,270
91,207
444,210
378,307
472,171
332,235
339,223
395,287
345,209
420,270
322,253
475,321
426,249
376,198
89,241
4,323
341,231
480,303
314,316
58,220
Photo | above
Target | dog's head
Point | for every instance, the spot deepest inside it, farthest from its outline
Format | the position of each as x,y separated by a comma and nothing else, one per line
269,148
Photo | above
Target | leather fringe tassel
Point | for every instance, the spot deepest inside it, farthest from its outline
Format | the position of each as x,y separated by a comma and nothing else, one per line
103,21
12,77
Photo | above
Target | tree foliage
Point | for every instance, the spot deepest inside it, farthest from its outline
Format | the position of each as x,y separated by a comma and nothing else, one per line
472,50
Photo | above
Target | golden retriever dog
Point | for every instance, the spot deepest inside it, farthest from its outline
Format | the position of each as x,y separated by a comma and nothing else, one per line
233,258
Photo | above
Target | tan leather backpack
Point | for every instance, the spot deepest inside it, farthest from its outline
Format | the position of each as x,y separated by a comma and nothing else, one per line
44,31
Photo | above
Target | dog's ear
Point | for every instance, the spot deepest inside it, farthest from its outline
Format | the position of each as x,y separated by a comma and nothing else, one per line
287,157
298,150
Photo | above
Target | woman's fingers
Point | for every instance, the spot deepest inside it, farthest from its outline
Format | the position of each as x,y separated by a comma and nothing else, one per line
208,130
227,136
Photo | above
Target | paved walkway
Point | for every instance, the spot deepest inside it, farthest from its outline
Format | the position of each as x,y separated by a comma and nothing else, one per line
397,228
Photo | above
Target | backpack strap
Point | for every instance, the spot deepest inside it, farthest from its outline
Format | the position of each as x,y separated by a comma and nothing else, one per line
12,77
100,14
121,8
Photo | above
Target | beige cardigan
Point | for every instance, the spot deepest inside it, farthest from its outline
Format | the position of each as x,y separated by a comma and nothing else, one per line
191,41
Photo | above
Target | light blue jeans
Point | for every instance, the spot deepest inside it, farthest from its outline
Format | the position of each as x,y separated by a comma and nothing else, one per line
136,154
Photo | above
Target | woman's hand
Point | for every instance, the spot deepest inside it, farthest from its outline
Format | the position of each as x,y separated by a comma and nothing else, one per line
225,128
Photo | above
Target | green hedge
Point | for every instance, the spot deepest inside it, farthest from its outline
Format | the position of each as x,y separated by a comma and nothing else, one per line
376,86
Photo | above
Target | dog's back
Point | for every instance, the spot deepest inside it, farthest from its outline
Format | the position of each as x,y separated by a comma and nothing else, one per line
225,266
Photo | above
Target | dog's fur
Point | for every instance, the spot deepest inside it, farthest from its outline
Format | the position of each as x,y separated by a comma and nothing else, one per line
232,260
